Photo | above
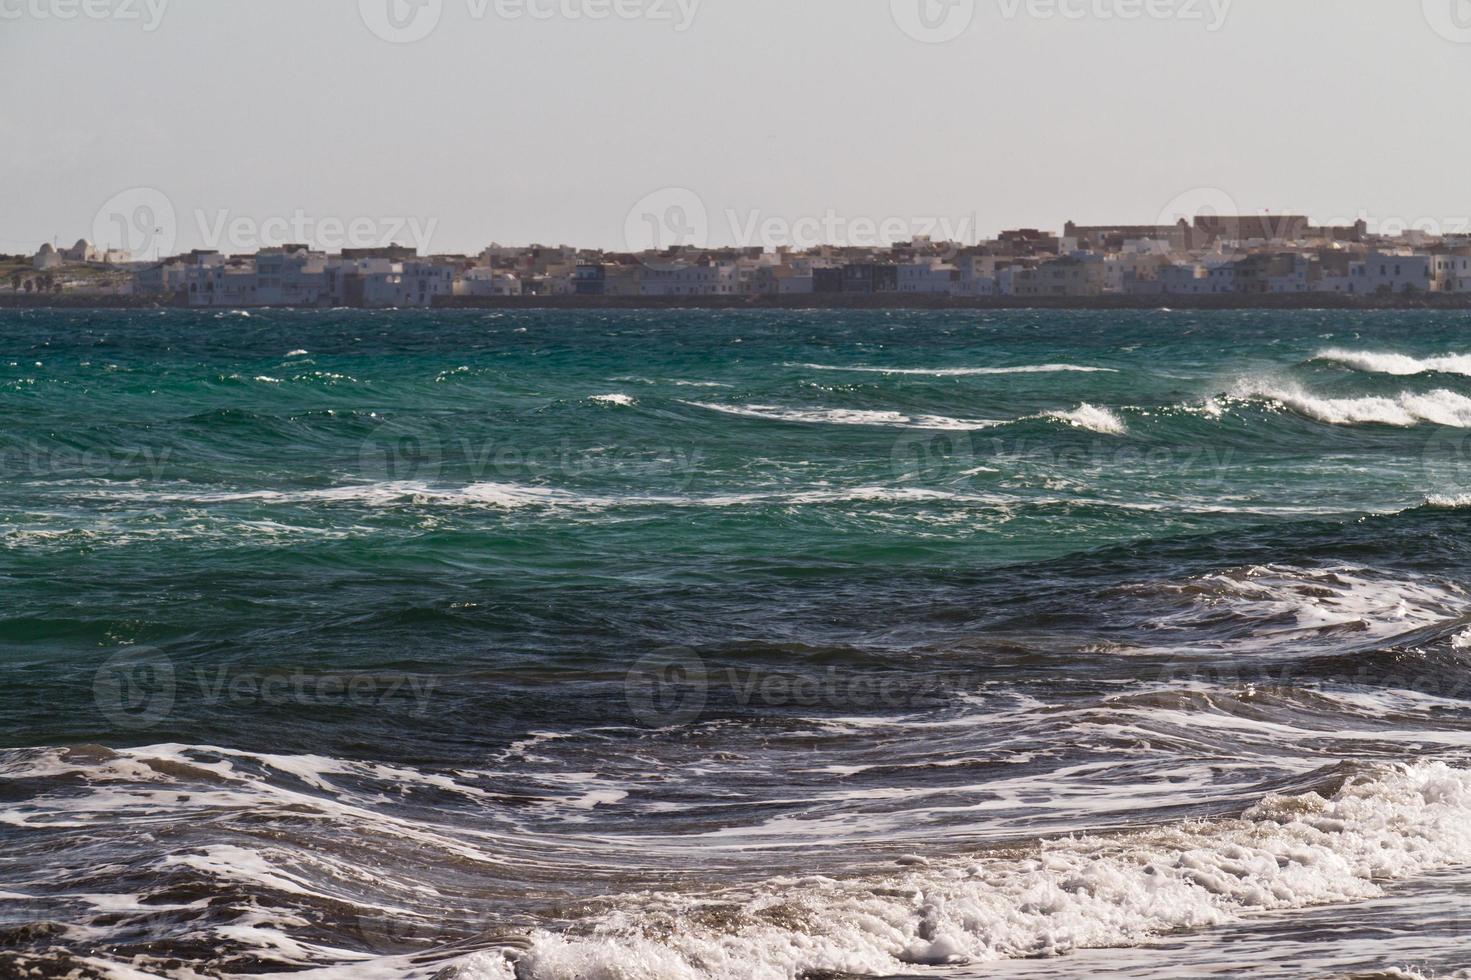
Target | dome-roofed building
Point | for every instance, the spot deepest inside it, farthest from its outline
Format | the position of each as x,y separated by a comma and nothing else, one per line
47,258
82,251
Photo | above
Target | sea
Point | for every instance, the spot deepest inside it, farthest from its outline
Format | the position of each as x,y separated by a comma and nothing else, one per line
716,645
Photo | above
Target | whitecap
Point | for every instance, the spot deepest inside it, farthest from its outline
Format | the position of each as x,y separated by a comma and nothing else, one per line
1093,418
1404,410
848,416
963,372
1047,899
1376,362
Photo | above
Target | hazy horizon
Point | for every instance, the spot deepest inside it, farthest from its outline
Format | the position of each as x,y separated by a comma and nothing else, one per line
449,124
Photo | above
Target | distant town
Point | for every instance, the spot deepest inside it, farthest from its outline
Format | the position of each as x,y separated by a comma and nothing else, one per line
1225,256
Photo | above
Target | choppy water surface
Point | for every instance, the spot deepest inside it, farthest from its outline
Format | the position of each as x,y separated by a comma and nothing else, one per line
712,645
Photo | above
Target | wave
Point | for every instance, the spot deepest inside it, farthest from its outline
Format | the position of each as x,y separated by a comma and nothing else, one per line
1053,897
617,398
1328,837
677,382
516,495
1375,362
1262,605
963,372
1092,418
1405,410
848,416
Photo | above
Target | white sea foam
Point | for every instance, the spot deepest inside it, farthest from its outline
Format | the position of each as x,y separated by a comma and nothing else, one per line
1092,418
515,495
677,382
1409,408
848,416
963,372
1459,501
1290,603
1057,897
1401,364
616,398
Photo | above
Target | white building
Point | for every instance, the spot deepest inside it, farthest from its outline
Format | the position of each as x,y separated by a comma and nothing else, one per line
975,275
1450,273
424,281
930,277
290,276
230,283
1183,279
481,281
1220,270
82,251
1293,279
1349,281
47,258
163,278
1396,272
685,279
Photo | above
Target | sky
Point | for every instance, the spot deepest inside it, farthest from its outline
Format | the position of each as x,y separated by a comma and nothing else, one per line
165,125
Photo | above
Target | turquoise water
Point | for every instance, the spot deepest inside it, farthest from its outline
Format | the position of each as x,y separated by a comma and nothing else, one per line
678,643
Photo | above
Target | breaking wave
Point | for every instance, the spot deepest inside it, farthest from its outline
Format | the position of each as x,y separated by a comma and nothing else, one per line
1093,418
1332,845
963,372
1407,409
1375,362
848,416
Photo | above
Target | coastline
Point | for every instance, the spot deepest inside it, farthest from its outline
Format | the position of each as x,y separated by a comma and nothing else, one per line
809,301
